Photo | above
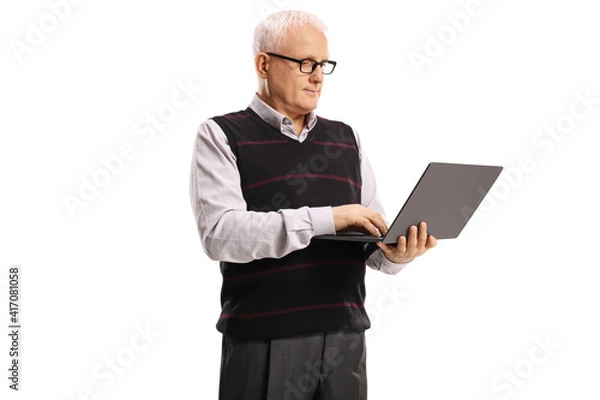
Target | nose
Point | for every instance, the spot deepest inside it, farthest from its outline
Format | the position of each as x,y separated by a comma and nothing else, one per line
317,75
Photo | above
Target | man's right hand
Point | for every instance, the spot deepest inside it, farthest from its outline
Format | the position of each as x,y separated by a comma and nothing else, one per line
357,218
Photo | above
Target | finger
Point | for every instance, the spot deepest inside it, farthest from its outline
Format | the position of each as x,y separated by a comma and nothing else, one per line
431,242
386,248
401,245
422,235
379,223
391,251
412,238
370,227
384,225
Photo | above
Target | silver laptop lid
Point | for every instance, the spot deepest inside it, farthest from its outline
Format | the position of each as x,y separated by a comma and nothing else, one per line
445,197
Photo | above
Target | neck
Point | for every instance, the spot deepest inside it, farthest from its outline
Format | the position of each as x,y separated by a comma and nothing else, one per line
298,120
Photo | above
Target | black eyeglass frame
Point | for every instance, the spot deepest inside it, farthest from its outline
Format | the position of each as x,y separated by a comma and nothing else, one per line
314,65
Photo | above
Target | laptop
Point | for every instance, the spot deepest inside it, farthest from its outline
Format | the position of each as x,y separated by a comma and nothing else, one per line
445,197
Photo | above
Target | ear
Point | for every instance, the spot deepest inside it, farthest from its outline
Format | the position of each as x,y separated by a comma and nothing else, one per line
261,62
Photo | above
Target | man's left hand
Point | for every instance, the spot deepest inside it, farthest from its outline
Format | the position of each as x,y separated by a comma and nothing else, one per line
406,250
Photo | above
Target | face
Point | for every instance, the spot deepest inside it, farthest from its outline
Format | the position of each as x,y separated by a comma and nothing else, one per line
288,90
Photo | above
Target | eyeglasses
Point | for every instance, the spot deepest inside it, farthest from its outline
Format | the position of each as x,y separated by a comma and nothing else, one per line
308,66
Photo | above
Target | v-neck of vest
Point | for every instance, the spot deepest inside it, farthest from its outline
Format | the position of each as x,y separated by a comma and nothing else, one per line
279,135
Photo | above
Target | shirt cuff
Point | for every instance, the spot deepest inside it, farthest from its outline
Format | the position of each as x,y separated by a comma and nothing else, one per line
378,261
322,220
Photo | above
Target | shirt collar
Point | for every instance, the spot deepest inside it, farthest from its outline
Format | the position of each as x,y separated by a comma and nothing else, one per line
280,121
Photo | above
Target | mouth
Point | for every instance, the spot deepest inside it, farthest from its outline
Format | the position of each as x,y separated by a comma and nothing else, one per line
312,92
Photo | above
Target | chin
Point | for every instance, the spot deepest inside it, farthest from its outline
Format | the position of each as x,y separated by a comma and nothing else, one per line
309,109
311,104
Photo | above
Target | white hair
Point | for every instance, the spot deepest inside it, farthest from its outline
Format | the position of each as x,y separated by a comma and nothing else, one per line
269,34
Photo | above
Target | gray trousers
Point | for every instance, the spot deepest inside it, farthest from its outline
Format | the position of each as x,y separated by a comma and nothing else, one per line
322,366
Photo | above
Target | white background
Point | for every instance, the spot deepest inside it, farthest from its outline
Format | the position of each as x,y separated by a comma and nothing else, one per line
524,270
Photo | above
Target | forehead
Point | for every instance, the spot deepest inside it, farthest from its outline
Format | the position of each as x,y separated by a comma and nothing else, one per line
305,42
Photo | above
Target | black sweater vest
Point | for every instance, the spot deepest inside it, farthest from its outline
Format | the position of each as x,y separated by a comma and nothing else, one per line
316,289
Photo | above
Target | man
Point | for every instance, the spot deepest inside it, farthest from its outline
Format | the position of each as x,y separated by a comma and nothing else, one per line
264,182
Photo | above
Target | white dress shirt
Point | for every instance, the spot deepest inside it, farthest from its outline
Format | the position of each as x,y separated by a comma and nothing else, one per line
229,232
